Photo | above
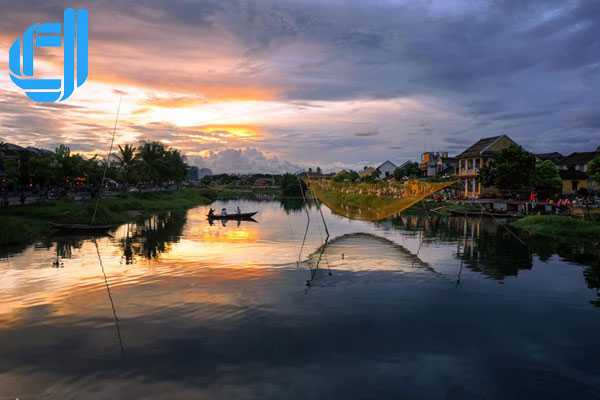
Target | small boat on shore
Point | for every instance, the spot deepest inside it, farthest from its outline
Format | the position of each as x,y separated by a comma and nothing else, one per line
232,216
80,227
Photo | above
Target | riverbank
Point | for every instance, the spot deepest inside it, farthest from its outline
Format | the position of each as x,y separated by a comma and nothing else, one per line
561,228
22,224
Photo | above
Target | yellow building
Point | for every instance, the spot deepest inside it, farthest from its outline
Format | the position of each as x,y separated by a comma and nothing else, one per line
476,157
574,172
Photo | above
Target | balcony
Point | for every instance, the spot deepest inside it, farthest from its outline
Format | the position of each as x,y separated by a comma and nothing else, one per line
469,172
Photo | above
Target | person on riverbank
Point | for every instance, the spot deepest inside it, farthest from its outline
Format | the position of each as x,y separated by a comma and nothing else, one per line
211,212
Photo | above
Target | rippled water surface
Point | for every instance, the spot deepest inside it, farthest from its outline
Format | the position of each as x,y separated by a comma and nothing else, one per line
414,307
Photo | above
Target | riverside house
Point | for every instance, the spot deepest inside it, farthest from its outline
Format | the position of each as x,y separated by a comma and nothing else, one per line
437,164
386,169
574,171
474,158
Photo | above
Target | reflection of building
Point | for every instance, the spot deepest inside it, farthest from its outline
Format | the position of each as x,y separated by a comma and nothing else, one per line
437,164
386,169
482,245
477,156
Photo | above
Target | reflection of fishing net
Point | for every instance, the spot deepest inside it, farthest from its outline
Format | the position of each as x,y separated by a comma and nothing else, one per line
373,201
364,252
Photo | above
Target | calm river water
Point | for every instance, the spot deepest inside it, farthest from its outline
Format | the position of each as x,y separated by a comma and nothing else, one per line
411,308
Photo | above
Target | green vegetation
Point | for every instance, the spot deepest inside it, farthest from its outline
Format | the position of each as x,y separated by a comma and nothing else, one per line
17,230
410,170
232,192
150,163
594,169
546,177
23,223
559,227
512,168
292,186
346,176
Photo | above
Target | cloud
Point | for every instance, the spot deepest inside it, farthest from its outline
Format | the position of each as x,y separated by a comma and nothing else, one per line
366,134
314,77
242,161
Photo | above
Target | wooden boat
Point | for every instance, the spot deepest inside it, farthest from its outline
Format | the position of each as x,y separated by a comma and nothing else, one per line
80,227
234,216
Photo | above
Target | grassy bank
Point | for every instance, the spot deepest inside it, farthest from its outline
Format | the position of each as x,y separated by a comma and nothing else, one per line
559,227
23,223
231,192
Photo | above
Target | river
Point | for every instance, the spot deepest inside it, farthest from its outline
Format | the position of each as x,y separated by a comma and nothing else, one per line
413,307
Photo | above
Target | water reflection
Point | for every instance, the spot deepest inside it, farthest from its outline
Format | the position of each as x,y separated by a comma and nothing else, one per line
223,311
151,237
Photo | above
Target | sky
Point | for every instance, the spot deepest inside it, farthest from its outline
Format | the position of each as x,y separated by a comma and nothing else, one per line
278,85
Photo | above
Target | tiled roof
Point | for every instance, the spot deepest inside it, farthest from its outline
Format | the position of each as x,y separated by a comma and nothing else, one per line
479,147
387,162
554,157
579,158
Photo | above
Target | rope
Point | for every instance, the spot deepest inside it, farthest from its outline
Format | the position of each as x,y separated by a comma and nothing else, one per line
483,211
106,164
307,222
112,303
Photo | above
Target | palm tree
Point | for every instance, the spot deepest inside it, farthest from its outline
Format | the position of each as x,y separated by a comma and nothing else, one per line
152,156
3,147
127,159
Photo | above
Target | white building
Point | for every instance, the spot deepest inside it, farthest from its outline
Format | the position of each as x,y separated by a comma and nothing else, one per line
386,169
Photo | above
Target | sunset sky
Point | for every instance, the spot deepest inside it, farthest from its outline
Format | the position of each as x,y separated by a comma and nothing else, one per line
243,85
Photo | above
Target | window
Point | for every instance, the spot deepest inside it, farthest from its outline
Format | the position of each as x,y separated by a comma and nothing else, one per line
469,164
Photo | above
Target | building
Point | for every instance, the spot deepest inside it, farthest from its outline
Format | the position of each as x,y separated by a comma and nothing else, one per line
477,156
574,172
437,164
367,172
386,169
202,172
192,174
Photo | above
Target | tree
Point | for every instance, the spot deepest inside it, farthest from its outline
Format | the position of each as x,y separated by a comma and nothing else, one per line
346,175
152,157
546,177
512,168
176,168
410,170
594,169
3,147
292,186
127,159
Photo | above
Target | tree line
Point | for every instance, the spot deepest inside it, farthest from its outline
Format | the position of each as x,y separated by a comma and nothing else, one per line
149,163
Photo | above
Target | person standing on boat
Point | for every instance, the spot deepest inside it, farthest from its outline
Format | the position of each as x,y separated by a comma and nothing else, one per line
211,212
239,212
223,212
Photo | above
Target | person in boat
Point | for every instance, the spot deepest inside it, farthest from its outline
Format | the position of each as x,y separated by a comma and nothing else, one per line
239,212
211,212
223,212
